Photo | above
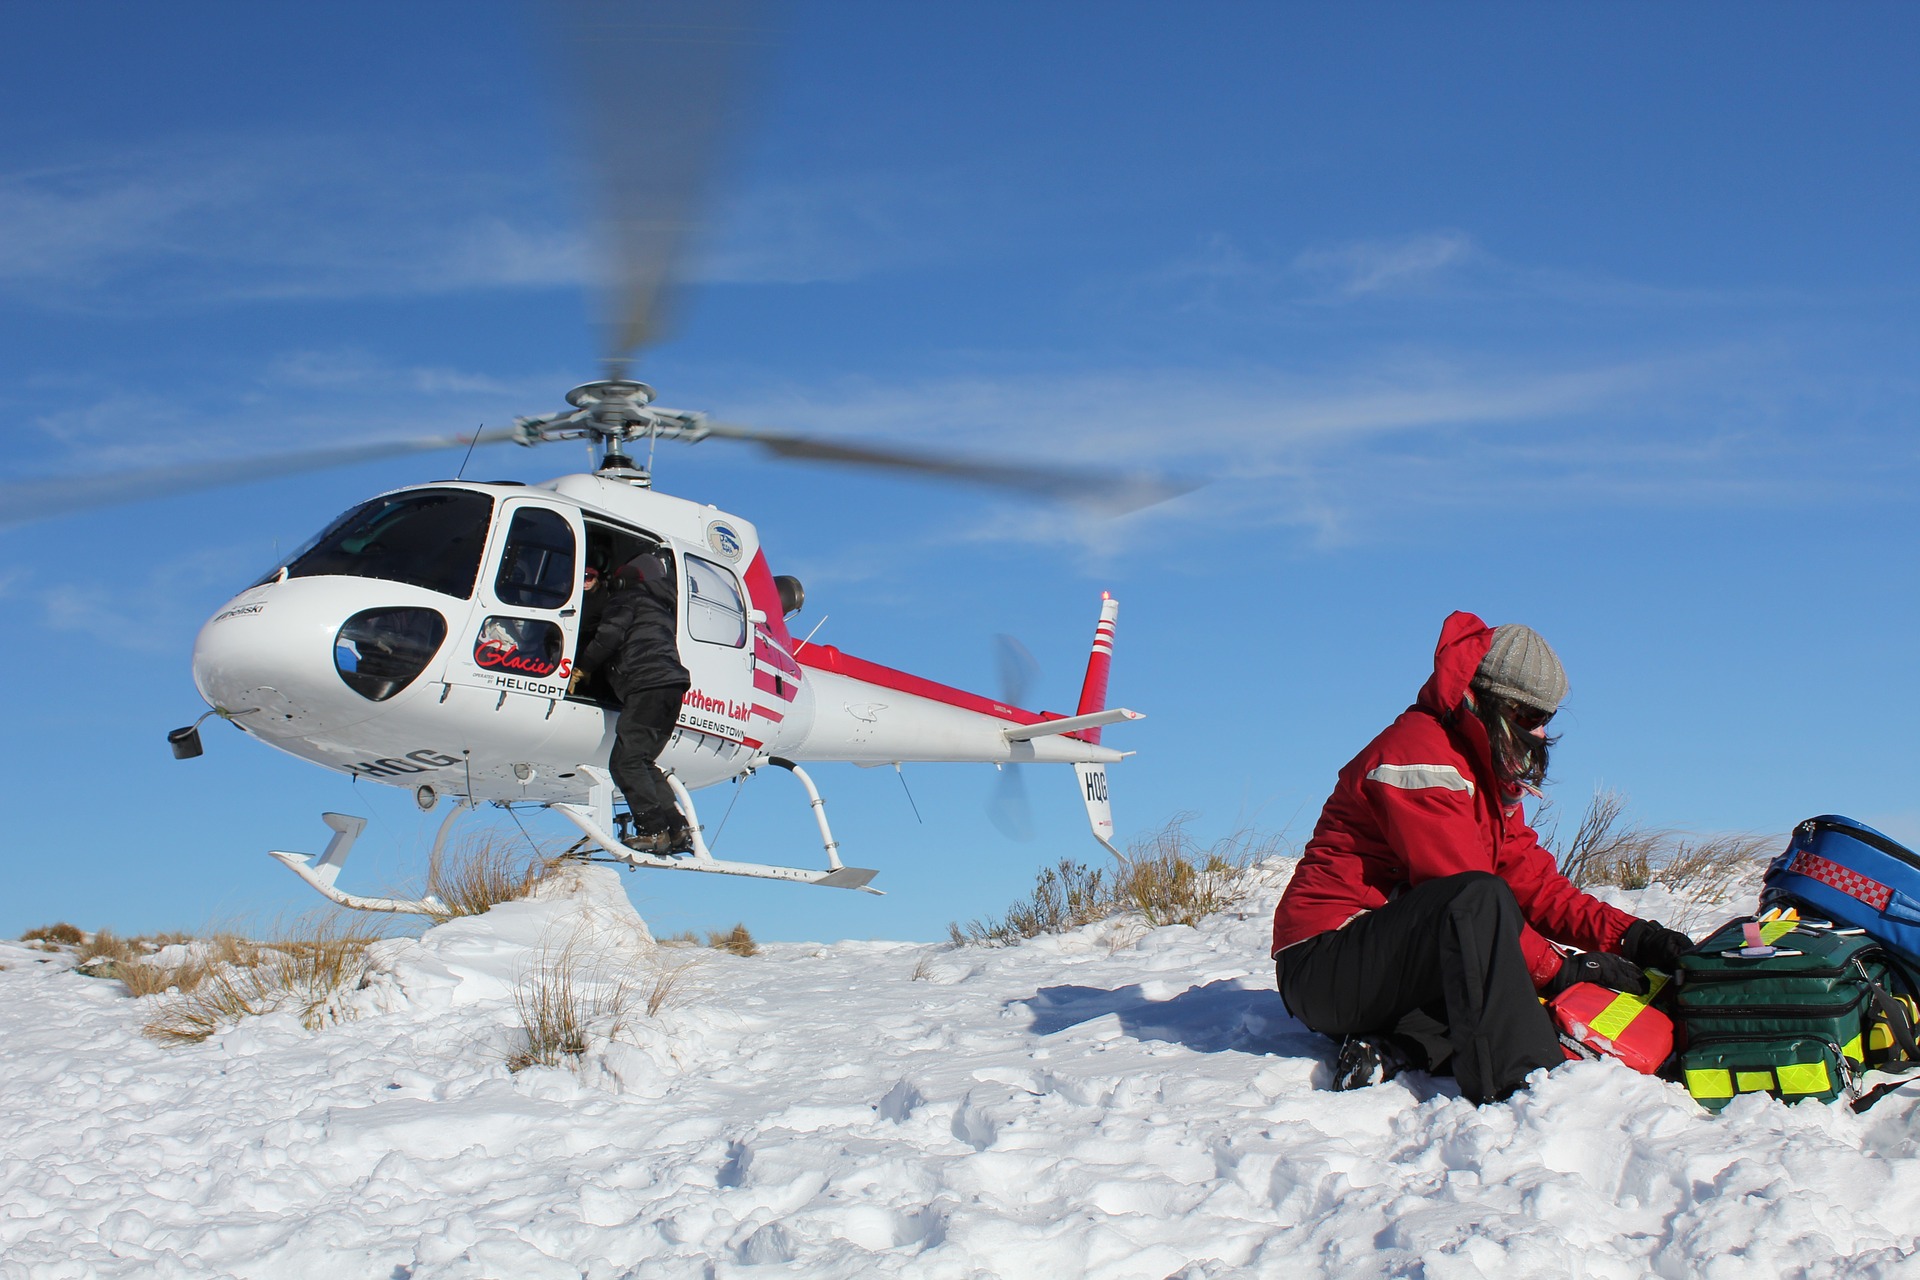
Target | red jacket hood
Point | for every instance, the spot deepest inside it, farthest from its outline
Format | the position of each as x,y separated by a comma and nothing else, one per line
1464,641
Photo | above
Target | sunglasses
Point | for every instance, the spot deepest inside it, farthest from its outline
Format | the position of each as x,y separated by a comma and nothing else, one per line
1528,718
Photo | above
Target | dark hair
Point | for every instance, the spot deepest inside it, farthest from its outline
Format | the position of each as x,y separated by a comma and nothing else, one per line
1519,758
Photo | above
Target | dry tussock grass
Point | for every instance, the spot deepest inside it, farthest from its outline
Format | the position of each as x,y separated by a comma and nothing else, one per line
1164,877
1607,848
231,978
735,940
105,944
151,977
574,995
479,873
60,934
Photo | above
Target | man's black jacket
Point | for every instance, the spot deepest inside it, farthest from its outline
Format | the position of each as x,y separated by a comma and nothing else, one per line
634,642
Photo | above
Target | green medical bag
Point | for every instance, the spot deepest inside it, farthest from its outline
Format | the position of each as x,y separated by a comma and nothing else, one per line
1799,1016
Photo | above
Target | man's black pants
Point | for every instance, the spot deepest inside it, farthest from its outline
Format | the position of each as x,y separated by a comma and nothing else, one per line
646,722
1441,967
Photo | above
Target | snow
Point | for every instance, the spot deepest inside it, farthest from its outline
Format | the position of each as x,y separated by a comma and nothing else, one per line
1114,1102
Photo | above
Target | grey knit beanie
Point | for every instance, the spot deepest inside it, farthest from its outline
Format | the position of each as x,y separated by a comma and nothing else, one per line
1523,667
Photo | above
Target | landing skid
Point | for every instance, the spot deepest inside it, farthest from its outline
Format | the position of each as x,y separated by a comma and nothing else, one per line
595,820
321,872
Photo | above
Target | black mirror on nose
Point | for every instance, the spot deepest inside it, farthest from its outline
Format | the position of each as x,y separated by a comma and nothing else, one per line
185,742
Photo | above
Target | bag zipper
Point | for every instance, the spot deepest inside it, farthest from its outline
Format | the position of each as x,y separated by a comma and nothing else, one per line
1771,1010
1872,839
1694,976
1871,952
1754,1037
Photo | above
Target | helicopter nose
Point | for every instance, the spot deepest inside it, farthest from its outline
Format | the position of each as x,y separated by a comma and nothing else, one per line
304,656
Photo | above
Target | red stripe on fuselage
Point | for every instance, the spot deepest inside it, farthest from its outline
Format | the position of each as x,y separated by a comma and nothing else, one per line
774,656
824,657
767,682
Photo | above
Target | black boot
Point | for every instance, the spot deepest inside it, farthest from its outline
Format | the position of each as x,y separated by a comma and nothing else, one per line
1368,1060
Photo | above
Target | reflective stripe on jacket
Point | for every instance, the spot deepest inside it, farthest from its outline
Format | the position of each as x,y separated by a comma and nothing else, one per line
1421,802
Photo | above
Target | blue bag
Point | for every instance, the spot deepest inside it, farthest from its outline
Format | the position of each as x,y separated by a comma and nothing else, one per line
1847,872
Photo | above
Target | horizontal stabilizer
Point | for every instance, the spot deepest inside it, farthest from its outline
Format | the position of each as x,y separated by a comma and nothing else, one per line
1070,724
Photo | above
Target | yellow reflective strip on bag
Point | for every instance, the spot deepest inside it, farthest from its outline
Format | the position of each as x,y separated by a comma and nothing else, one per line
1773,931
1624,1008
1617,1016
1710,1082
1754,1081
1805,1077
1852,1047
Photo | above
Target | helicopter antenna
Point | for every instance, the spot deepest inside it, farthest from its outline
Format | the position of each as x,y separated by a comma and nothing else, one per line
816,627
469,456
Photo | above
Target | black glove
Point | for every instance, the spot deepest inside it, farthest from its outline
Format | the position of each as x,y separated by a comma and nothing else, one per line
1652,945
1616,973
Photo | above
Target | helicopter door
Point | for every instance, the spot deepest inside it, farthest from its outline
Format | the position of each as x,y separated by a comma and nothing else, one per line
716,651
526,610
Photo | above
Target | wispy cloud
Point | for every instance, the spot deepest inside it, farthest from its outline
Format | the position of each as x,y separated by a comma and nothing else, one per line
1375,266
147,615
218,220
1445,265
1352,457
231,219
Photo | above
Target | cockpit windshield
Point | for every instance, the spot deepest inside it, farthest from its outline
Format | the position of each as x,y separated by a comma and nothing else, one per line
429,538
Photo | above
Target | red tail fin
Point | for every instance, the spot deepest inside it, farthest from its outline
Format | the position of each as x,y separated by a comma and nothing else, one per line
1093,691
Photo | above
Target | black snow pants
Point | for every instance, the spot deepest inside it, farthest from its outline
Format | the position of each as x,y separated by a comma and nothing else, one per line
1440,968
646,722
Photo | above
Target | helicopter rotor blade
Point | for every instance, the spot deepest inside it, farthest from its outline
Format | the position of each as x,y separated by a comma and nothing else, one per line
1017,666
24,501
653,83
1009,808
1106,491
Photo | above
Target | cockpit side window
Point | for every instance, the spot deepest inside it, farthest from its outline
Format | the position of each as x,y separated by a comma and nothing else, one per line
715,611
429,538
536,569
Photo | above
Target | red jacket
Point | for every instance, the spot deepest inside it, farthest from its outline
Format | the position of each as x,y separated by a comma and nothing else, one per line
1422,802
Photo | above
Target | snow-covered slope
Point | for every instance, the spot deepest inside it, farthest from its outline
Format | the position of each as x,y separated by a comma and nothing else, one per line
1111,1103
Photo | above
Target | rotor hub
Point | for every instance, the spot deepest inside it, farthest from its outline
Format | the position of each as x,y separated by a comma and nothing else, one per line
614,403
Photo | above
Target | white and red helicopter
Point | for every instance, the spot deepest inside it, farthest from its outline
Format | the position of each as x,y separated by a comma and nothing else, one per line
426,638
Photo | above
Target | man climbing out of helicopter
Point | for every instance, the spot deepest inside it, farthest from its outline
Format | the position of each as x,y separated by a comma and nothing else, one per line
635,644
1416,925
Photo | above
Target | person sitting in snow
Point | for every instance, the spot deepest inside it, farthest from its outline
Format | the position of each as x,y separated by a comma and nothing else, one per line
1415,927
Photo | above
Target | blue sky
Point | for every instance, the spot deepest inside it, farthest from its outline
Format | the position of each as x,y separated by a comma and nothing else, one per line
1600,319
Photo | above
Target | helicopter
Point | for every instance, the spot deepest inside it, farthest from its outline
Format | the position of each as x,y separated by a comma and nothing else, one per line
427,638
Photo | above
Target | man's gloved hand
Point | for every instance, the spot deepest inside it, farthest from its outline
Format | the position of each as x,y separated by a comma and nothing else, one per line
1652,945
1616,973
577,681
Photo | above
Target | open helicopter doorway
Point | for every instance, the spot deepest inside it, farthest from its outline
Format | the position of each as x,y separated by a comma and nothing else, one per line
609,546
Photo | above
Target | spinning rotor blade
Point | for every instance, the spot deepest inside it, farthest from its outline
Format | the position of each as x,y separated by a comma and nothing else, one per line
1010,809
654,82
1109,492
23,501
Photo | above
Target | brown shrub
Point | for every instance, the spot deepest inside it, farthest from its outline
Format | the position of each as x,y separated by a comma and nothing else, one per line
1165,877
303,970
1608,849
475,875
61,934
105,944
736,940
